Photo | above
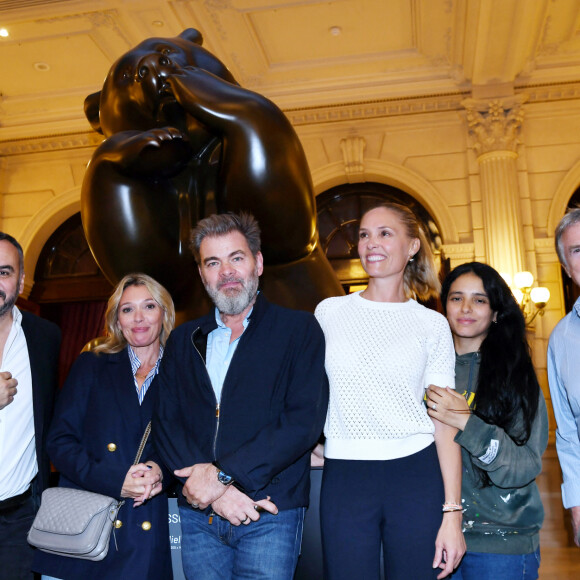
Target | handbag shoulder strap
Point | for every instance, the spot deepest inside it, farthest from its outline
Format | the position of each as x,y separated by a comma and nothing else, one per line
142,444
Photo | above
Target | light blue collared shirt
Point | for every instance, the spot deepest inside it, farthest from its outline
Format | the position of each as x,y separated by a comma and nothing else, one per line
220,352
564,379
135,364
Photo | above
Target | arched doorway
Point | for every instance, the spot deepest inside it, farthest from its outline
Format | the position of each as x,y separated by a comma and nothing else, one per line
70,290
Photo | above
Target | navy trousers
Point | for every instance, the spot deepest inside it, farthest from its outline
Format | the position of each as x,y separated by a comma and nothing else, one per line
15,552
395,504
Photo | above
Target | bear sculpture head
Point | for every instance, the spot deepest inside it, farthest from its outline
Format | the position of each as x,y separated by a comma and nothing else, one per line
135,95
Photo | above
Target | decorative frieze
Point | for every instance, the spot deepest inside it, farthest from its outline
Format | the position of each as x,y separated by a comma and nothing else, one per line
458,254
366,110
459,251
61,142
375,109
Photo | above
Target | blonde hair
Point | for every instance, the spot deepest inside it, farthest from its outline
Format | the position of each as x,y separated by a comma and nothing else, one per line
420,279
114,339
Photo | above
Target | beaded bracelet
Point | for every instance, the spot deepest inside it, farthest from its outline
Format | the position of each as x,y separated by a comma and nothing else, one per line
452,507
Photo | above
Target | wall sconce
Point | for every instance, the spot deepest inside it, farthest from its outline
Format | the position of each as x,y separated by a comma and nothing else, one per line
532,301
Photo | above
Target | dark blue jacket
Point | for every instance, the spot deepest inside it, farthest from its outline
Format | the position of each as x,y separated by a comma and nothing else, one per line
43,343
272,409
97,407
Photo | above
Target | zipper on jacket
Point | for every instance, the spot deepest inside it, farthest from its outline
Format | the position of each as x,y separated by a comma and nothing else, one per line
217,426
217,410
217,403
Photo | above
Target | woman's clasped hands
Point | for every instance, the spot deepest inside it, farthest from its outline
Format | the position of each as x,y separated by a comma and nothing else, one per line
142,482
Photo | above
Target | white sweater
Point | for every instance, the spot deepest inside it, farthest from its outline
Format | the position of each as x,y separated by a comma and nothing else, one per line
380,358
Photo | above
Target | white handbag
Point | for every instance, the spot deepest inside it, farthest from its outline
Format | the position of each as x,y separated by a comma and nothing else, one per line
77,523
74,523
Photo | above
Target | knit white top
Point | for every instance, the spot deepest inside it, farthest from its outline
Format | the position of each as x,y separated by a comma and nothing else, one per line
380,358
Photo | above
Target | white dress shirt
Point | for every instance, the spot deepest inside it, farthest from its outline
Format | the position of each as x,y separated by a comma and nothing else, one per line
18,465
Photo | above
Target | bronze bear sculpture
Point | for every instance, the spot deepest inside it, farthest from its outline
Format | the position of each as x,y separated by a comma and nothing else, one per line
184,140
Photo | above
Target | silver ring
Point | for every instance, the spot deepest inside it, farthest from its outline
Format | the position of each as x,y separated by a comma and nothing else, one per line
434,406
245,519
256,507
194,505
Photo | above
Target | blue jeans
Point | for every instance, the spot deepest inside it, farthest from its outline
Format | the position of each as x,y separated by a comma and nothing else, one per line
482,566
264,550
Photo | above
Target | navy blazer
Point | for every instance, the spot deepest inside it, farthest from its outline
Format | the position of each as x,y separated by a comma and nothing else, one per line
93,440
43,343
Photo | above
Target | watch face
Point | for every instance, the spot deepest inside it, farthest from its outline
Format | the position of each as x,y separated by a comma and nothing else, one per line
224,478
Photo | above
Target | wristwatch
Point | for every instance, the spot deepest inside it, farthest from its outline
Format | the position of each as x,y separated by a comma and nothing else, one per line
224,478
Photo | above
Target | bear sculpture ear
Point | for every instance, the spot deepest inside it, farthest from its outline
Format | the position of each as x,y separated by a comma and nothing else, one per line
92,111
205,60
192,35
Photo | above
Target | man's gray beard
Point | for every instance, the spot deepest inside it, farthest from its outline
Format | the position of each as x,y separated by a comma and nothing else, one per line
233,304
8,303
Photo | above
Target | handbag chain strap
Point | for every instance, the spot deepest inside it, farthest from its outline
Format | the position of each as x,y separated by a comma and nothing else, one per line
142,444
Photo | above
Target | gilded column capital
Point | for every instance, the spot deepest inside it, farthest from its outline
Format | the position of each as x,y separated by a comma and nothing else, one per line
494,124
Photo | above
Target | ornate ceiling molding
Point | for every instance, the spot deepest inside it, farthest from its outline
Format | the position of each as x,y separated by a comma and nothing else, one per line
46,143
418,105
550,93
7,5
314,115
459,252
374,109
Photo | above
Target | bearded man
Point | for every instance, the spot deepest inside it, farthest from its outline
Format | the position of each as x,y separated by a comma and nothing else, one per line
29,348
243,399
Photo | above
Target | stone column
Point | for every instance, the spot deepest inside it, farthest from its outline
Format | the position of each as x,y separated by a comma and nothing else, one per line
494,127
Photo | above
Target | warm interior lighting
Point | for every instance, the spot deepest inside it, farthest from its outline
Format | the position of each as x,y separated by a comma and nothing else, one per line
523,280
532,301
356,287
539,296
4,33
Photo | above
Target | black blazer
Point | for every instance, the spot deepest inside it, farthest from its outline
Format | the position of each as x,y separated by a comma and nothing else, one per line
43,342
